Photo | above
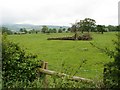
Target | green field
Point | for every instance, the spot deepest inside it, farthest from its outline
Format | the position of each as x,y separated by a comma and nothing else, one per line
71,53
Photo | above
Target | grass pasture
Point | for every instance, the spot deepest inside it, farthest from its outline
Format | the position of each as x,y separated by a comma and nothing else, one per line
71,53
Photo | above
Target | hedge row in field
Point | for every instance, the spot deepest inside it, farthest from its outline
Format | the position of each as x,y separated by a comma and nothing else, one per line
17,64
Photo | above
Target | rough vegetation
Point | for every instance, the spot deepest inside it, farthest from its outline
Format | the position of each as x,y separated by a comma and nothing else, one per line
17,65
85,36
112,69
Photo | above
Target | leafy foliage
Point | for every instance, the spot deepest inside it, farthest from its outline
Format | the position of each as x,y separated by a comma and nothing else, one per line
17,65
112,69
87,24
60,30
23,30
52,30
44,29
100,28
6,30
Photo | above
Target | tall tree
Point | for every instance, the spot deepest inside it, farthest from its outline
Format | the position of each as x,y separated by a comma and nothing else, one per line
59,30
44,29
100,28
54,30
87,24
111,28
75,29
64,29
69,29
23,30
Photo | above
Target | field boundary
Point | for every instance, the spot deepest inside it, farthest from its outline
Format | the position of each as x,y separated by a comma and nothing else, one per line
44,70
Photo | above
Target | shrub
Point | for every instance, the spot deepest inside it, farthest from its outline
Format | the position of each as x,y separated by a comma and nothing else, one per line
17,64
112,69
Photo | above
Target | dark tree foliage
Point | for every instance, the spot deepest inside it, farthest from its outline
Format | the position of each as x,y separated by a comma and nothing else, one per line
6,30
60,30
44,29
52,30
69,29
113,28
23,30
118,28
16,64
101,28
87,24
64,29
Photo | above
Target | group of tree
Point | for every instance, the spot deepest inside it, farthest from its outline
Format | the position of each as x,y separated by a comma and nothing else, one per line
6,30
23,30
89,25
33,31
45,29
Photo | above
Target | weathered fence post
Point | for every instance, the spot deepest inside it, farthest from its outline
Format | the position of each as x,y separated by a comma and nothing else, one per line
44,65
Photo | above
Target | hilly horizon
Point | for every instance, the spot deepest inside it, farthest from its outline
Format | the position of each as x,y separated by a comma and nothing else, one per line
16,27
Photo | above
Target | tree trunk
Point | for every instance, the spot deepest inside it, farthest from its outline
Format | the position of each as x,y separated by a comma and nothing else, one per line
76,37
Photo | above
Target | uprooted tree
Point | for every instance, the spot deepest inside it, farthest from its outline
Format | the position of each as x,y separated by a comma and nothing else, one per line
84,25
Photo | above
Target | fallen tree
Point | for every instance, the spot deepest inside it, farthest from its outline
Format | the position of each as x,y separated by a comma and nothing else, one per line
86,36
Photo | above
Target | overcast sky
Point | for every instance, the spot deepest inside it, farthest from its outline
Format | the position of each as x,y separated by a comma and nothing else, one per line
58,12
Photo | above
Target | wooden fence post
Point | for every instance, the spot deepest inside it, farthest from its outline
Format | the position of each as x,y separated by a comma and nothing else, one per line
44,65
46,80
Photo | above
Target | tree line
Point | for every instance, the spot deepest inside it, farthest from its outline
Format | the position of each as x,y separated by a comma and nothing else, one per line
89,25
86,25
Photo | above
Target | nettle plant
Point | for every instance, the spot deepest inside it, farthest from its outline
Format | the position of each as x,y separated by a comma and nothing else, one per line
17,65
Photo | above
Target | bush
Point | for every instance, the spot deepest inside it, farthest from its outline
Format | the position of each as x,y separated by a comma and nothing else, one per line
18,66
112,69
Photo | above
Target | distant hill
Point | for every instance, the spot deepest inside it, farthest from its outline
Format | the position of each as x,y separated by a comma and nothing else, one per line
16,27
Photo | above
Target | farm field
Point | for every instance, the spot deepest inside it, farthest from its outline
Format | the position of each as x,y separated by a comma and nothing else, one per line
69,53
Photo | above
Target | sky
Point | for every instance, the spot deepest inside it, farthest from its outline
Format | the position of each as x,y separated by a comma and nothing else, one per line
58,12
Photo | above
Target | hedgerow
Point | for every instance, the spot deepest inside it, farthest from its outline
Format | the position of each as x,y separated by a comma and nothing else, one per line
17,64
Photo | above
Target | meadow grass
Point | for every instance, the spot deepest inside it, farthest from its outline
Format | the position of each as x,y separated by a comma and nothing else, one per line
70,53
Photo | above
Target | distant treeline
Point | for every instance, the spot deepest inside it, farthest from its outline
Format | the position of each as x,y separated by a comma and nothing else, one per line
86,25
